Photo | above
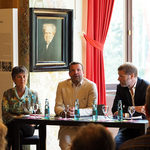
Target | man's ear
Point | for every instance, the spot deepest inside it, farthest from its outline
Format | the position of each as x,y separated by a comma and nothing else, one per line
132,75
69,73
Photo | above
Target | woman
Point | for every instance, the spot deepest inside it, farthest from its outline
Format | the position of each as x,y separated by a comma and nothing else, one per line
18,101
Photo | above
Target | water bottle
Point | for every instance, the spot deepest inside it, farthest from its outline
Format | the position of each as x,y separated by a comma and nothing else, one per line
94,111
47,110
77,112
120,111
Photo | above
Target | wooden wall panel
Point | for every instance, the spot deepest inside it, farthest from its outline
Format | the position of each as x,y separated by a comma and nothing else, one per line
9,3
23,27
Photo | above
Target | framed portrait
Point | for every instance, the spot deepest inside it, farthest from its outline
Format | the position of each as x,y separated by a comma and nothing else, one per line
51,39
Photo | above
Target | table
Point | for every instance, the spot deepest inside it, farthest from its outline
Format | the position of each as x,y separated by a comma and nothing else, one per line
142,125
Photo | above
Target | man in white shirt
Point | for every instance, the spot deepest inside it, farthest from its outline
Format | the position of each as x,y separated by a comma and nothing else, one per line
77,87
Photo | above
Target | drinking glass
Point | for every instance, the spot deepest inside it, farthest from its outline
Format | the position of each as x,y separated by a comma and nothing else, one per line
131,110
105,110
66,111
36,107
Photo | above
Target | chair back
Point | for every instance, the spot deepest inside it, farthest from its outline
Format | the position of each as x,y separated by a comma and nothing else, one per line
99,109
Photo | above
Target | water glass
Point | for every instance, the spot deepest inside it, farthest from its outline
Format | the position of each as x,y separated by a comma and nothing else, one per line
105,109
131,110
36,107
66,111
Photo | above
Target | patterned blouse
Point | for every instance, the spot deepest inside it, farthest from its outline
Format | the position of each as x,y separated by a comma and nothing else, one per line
13,105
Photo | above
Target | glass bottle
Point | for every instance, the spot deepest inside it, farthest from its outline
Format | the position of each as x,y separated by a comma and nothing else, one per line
120,111
77,111
94,111
47,110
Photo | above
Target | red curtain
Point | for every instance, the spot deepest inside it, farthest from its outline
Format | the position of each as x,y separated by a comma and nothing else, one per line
99,15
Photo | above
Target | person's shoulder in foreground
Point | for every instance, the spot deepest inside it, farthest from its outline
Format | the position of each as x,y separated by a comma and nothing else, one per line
93,137
139,143
3,132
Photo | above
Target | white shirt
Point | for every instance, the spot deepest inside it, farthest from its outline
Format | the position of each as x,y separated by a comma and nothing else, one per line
132,92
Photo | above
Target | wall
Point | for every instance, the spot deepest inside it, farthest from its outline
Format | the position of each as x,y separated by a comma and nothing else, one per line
8,47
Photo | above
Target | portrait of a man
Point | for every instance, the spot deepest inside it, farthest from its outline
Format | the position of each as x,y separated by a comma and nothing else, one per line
49,41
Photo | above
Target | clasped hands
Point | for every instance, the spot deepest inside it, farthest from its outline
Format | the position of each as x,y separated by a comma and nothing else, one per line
68,112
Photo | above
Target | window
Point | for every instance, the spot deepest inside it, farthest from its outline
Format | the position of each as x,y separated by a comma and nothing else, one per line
141,37
114,49
128,39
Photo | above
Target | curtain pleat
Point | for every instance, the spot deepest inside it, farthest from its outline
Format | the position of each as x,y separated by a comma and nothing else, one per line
99,15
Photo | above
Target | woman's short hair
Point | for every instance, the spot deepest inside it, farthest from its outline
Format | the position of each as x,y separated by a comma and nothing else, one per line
93,137
18,69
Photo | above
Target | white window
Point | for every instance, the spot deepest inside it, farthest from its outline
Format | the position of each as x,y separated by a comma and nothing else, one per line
128,39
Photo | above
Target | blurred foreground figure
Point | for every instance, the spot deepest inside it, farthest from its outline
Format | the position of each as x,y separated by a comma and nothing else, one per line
93,137
3,132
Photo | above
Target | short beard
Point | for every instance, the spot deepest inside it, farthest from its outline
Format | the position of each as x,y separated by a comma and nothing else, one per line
76,82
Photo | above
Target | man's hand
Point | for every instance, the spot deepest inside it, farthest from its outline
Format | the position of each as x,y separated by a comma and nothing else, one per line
116,114
71,112
140,109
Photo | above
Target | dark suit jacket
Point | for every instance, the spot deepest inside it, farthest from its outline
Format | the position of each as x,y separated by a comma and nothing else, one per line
124,95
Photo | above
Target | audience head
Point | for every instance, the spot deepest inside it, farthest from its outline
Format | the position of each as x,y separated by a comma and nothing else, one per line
49,31
19,75
93,137
147,104
76,72
127,75
3,132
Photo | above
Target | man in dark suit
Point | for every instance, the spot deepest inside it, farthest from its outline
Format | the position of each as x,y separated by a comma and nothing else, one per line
141,142
131,91
49,49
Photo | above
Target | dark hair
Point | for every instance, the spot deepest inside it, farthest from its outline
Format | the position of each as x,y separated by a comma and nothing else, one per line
75,63
18,69
128,68
93,137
